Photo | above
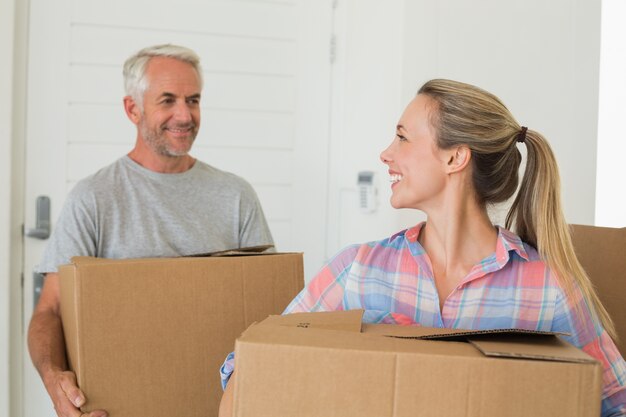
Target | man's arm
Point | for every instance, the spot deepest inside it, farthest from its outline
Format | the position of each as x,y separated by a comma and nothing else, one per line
47,351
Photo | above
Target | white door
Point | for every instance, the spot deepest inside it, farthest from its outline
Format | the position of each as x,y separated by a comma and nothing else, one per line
265,108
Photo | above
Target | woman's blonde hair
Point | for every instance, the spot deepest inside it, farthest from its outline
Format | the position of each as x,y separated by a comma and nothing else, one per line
467,115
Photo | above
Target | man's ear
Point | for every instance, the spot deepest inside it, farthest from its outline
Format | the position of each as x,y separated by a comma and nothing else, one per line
458,158
132,109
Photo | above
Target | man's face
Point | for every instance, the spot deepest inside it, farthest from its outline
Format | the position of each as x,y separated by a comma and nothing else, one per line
170,118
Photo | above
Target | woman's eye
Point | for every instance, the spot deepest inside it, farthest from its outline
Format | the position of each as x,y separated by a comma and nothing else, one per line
402,138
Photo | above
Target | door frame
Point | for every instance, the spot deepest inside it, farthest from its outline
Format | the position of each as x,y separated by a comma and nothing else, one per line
6,78
14,47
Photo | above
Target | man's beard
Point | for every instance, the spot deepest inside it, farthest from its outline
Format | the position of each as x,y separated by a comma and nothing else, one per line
157,140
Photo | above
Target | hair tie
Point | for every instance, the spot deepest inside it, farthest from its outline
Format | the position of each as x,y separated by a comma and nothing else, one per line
521,136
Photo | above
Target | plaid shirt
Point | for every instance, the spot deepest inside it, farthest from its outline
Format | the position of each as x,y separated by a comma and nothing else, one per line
392,280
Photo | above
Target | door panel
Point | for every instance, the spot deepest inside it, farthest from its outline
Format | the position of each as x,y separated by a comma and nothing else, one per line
46,127
265,108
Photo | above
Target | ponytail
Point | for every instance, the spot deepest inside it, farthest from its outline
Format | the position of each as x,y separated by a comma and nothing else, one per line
537,217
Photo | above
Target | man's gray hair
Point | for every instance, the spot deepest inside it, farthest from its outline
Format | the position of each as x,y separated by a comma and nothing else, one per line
135,82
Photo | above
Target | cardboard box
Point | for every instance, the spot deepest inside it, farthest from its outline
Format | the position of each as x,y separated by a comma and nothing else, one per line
601,252
146,337
292,366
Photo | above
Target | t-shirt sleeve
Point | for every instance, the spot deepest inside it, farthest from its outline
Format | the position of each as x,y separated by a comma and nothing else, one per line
74,233
253,227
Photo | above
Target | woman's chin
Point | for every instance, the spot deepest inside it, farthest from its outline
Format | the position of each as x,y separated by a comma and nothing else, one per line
396,204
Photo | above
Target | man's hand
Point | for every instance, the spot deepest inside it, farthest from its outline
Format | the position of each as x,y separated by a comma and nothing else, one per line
47,350
67,397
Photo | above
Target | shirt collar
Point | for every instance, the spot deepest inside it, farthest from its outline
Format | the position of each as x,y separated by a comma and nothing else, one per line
412,233
507,242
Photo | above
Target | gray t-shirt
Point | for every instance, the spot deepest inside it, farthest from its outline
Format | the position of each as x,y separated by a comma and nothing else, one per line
127,211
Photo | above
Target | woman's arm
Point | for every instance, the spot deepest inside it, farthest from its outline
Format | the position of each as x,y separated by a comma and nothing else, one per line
226,404
572,315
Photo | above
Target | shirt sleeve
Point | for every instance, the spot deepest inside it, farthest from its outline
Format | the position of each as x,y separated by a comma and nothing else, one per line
572,315
253,227
325,292
227,369
74,233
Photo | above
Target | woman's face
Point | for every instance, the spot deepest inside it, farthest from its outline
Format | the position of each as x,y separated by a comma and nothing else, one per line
416,165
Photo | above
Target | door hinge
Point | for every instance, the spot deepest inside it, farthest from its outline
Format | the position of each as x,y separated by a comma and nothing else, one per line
333,48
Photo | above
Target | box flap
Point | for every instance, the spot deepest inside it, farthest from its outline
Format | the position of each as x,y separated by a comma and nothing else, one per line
529,346
251,250
88,260
349,320
462,334
443,333
510,343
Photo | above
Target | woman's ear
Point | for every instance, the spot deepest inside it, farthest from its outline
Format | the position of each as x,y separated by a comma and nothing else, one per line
458,158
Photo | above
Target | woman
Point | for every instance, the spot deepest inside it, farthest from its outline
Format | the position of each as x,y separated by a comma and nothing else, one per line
455,153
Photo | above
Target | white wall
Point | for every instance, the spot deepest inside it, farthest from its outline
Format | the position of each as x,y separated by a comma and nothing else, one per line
367,81
610,196
540,57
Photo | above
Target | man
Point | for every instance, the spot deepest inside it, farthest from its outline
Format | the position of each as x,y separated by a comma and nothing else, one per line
155,201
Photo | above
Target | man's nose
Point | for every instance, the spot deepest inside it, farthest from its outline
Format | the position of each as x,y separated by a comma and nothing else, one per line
182,112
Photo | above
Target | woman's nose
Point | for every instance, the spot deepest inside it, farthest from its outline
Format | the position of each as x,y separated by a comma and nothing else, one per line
385,155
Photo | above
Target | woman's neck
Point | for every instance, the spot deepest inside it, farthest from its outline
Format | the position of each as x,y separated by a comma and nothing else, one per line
457,236
463,239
